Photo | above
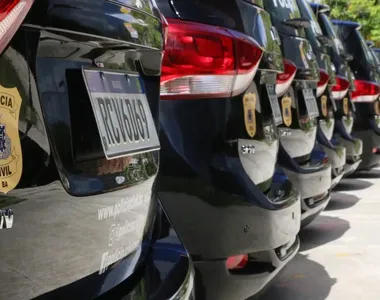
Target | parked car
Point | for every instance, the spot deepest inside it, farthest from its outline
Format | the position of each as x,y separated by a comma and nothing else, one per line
238,218
341,92
367,82
301,158
79,151
326,105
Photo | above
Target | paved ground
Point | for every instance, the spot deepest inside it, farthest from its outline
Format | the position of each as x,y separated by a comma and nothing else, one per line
340,251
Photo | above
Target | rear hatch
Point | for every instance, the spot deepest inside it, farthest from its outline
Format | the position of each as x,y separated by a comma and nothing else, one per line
320,46
87,74
345,109
229,133
286,17
367,77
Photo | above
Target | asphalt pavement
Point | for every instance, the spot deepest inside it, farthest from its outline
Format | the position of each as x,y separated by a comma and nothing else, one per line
339,257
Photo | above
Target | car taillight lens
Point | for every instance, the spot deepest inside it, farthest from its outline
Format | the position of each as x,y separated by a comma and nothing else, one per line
284,80
12,13
366,91
323,81
203,61
237,262
341,88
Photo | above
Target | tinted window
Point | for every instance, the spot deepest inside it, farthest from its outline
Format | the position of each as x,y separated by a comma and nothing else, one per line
308,13
366,50
281,10
330,31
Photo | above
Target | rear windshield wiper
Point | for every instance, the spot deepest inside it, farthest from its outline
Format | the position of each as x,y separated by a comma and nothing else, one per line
325,40
347,56
297,23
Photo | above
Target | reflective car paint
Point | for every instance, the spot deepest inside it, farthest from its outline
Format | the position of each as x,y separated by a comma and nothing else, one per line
86,228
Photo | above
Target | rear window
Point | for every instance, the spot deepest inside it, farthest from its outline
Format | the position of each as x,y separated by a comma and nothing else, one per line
330,31
281,10
366,50
377,55
308,13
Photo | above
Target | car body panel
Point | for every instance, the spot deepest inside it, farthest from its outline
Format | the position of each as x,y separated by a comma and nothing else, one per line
84,227
209,183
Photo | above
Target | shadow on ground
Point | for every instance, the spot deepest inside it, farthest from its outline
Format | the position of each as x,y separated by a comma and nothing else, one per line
372,174
353,185
321,231
302,279
341,201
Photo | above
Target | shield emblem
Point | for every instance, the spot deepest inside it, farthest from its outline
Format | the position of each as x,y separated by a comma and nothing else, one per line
286,103
377,107
324,105
345,106
10,145
249,105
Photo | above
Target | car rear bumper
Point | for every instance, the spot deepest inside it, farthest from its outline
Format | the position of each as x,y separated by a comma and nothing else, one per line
233,227
311,184
243,284
370,141
314,189
354,149
337,156
350,168
309,213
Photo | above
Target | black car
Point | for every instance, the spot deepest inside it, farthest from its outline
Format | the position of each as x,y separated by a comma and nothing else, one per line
327,106
341,92
79,152
237,216
367,83
377,53
301,158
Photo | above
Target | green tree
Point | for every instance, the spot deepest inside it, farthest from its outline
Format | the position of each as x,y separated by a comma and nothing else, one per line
365,12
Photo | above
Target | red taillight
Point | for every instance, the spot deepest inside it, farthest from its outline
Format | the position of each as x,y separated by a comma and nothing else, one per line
323,81
237,262
284,80
203,61
341,88
12,13
366,91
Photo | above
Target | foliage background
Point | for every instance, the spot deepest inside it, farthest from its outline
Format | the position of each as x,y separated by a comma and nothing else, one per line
366,12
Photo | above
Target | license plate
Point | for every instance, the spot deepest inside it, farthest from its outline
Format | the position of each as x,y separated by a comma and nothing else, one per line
311,103
122,113
277,116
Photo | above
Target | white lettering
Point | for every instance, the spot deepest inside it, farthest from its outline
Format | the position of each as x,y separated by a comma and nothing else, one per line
122,206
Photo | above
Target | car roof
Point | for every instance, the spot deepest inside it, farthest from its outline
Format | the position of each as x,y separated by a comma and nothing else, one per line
351,24
319,7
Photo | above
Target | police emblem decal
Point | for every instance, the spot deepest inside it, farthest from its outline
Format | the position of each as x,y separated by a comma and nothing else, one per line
377,107
324,105
249,105
345,106
10,145
286,103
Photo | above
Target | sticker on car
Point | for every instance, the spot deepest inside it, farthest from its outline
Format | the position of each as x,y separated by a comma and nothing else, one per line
10,144
249,105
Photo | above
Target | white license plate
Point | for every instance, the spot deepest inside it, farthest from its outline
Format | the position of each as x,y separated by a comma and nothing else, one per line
277,116
311,103
122,113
